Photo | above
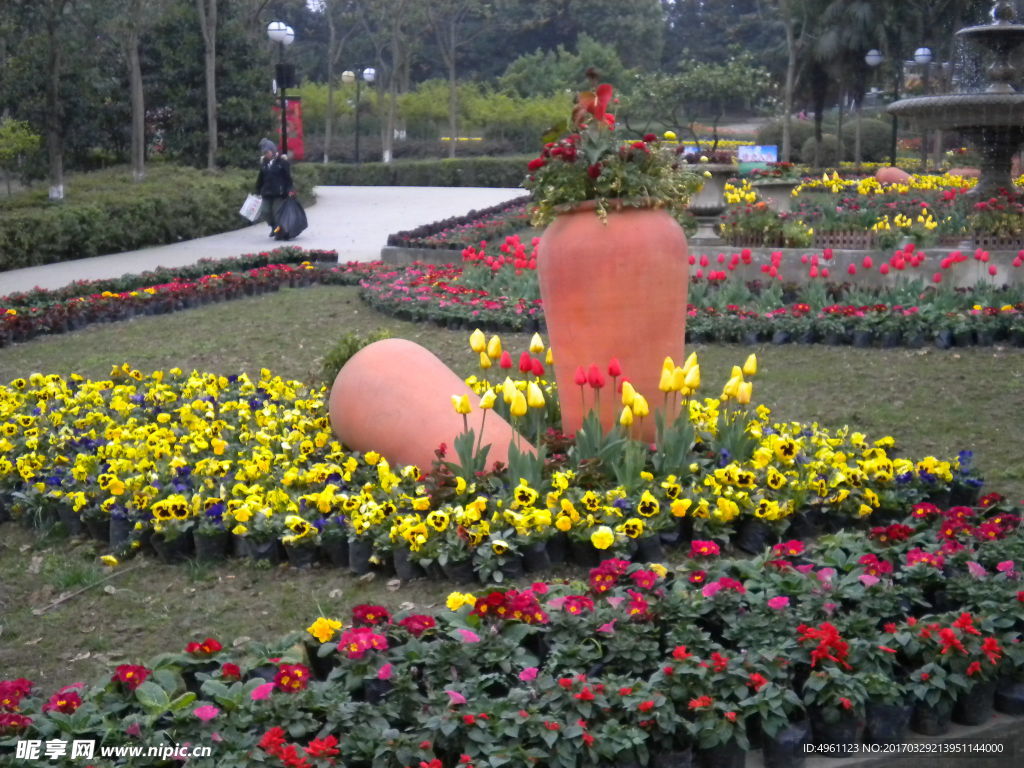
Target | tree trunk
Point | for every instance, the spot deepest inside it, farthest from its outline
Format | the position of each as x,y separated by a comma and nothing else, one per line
790,86
329,119
138,149
54,113
208,23
453,93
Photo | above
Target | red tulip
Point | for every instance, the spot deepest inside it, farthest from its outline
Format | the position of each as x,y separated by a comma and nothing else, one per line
505,361
594,377
580,377
614,368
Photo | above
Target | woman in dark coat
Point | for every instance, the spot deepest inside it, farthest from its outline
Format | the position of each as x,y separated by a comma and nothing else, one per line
274,182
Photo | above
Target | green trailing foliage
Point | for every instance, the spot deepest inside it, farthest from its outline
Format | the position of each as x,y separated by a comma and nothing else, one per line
347,346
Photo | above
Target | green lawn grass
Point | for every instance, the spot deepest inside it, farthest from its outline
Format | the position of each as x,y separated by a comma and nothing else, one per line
932,401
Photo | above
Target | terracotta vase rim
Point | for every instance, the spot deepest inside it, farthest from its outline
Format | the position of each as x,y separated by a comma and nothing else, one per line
611,204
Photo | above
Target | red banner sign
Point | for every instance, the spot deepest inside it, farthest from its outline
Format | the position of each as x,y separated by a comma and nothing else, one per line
296,145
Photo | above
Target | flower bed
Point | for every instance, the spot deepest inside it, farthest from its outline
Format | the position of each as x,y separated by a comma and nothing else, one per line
908,305
26,315
251,466
461,231
834,212
844,641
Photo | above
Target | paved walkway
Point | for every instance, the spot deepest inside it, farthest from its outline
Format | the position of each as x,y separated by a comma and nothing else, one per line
354,221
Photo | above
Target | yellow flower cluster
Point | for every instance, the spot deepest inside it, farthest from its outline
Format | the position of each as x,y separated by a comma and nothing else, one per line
172,450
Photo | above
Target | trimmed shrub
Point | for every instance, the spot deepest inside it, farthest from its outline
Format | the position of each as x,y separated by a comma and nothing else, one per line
875,139
457,172
829,150
105,212
347,346
800,130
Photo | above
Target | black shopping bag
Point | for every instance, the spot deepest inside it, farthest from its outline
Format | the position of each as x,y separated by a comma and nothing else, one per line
291,219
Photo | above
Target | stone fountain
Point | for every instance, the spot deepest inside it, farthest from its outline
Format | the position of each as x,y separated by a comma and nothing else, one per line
993,119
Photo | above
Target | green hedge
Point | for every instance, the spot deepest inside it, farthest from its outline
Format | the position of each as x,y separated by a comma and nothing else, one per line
456,172
105,212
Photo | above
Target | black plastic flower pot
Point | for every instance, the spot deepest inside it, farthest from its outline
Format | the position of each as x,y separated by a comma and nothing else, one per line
120,531
211,548
321,665
300,556
754,536
512,567
649,550
677,758
1009,698
71,521
863,338
963,338
558,548
98,529
944,338
536,558
406,569
891,339
268,550
375,690
803,525
172,550
844,730
786,748
886,723
781,337
459,572
728,755
975,706
335,552
929,720
359,551
583,553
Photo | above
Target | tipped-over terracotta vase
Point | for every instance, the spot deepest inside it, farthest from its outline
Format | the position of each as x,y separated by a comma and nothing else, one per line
613,290
394,397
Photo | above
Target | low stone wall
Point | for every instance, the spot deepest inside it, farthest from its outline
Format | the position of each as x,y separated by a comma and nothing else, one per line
391,254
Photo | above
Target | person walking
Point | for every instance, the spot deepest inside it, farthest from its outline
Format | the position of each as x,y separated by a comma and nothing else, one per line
274,183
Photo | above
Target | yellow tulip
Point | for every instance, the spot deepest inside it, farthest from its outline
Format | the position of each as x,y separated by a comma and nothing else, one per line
519,406
626,417
508,390
494,348
678,379
534,396
691,360
640,406
549,358
628,393
461,404
692,380
487,401
731,387
477,341
736,373
750,366
485,361
536,344
743,392
667,364
665,380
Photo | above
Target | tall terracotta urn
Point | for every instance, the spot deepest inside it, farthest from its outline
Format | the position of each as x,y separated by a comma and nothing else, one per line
613,289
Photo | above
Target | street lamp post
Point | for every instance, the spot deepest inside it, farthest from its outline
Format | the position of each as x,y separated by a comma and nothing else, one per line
874,58
283,35
923,56
369,74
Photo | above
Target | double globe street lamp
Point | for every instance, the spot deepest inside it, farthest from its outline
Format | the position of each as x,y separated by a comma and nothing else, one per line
922,56
367,74
283,35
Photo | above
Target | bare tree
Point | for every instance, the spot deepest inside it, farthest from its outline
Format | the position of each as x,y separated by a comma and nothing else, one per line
391,26
335,10
54,12
208,24
446,18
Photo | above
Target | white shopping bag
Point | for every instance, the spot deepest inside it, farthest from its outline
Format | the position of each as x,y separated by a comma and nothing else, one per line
251,207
